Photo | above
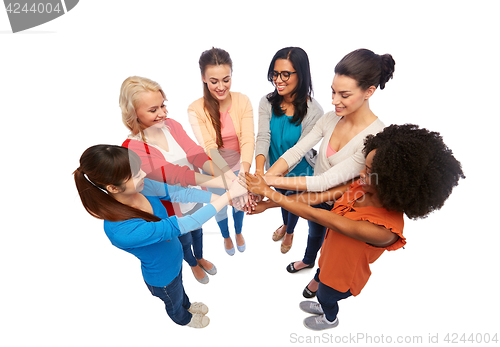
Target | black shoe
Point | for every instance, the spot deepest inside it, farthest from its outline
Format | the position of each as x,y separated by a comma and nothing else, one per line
307,293
292,270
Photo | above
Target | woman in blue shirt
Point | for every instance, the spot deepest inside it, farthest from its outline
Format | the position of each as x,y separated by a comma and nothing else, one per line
112,187
285,116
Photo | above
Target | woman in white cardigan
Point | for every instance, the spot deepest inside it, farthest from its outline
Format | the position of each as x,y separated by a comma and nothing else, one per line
285,117
340,156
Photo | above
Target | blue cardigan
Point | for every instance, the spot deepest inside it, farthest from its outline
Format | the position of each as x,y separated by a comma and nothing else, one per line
156,244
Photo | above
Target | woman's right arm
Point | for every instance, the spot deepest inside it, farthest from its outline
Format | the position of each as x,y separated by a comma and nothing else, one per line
263,140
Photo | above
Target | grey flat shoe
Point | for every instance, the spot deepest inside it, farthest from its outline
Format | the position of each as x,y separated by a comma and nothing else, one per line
203,280
319,323
212,271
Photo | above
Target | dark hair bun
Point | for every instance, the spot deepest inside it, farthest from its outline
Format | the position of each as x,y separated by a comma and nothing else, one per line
367,68
387,64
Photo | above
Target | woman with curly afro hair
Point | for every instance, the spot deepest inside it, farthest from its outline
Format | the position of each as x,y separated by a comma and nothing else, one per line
409,171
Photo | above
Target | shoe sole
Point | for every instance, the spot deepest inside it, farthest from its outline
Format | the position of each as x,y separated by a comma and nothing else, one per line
324,325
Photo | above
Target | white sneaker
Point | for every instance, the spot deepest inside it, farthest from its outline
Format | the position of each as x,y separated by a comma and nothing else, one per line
198,321
198,307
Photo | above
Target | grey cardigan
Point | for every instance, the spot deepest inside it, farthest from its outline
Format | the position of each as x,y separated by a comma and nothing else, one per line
314,112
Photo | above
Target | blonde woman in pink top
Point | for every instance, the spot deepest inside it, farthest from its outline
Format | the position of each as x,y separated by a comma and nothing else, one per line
222,122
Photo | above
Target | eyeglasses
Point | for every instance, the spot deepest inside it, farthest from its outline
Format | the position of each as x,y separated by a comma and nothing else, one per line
285,75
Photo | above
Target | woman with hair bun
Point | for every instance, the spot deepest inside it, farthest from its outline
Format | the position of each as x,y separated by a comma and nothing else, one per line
340,156
222,122
285,116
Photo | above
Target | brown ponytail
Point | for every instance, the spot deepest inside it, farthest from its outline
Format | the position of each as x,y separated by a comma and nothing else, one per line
214,56
212,107
104,165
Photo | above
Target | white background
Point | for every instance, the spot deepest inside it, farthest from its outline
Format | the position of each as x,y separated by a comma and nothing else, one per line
64,284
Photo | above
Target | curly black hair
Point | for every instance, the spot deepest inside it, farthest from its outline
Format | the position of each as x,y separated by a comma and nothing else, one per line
415,170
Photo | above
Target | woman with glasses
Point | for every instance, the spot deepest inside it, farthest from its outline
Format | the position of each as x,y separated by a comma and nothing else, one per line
222,122
285,116
340,157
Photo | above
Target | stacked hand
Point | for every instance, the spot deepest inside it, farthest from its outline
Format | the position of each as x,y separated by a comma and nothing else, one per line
256,184
238,195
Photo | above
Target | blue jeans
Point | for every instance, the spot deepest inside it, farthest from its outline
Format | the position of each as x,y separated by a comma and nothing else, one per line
192,242
315,237
289,219
221,216
175,299
192,239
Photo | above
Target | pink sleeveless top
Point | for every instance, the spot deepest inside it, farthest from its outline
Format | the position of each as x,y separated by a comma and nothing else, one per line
231,150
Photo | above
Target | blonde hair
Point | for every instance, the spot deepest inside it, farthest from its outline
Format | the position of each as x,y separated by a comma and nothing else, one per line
130,91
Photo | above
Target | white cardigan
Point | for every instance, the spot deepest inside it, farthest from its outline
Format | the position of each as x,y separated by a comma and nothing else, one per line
340,167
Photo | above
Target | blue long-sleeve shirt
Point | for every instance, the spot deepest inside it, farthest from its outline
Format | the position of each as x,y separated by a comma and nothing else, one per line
156,244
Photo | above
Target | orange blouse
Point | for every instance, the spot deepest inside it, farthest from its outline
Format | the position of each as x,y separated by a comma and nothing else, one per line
345,262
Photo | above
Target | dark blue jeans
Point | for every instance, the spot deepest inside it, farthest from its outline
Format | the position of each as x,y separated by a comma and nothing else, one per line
175,299
329,298
315,237
289,219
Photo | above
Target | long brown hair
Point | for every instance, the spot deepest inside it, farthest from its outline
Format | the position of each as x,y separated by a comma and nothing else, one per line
214,57
104,165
